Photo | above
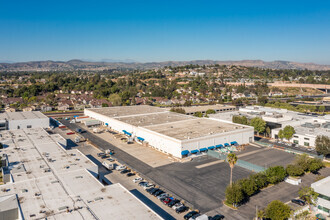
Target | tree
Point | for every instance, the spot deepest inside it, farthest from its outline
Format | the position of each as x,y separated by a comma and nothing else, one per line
280,134
198,114
322,108
210,111
248,186
268,132
322,145
277,210
234,194
275,174
105,105
288,132
178,110
314,165
259,124
308,195
260,179
302,161
294,170
232,159
115,99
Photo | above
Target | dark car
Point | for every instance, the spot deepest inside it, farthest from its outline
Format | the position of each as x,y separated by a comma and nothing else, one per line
142,183
190,214
217,217
130,174
173,202
158,192
181,209
155,191
124,171
105,156
100,154
298,202
150,189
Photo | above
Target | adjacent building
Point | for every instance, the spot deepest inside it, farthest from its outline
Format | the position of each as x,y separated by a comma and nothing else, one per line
21,120
43,180
322,187
172,133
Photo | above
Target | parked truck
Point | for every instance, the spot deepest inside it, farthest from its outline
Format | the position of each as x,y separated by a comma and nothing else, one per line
97,130
79,139
109,166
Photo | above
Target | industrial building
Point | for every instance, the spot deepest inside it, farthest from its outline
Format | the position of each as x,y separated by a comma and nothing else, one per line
218,108
307,126
21,120
172,133
42,180
323,199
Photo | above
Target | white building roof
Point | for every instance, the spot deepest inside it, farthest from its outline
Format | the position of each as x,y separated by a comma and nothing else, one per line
322,186
49,180
11,116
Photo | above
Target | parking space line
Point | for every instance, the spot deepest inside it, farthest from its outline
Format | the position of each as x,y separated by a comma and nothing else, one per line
209,164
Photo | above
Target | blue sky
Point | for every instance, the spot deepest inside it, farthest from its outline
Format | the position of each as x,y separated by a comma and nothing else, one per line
163,30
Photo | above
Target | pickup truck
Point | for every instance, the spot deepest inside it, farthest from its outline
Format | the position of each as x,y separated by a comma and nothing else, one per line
109,166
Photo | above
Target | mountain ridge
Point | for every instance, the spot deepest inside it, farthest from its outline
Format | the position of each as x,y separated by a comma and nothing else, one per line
77,64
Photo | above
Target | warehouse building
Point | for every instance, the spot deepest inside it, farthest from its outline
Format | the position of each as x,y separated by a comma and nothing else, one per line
48,182
21,120
172,133
323,200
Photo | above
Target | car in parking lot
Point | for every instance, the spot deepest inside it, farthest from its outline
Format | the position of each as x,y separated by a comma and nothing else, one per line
217,217
163,195
195,216
158,192
190,214
130,174
176,206
147,186
111,160
120,168
173,202
167,200
153,191
124,171
100,154
137,179
298,202
105,156
181,209
150,190
142,183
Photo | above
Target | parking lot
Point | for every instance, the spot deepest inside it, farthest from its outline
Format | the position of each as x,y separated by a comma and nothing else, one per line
201,183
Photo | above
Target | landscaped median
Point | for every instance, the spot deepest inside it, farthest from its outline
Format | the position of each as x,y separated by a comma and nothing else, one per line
240,191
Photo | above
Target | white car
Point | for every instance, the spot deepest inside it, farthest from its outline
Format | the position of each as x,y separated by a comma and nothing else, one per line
120,168
162,196
138,179
176,206
147,186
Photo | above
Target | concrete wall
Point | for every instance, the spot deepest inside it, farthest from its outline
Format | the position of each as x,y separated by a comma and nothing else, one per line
37,122
242,136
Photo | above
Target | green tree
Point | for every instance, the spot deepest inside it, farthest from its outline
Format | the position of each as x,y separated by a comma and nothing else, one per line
259,124
210,111
260,180
198,114
268,132
234,194
302,161
308,195
288,132
248,186
315,165
322,108
280,134
322,145
275,174
294,170
231,159
115,99
277,210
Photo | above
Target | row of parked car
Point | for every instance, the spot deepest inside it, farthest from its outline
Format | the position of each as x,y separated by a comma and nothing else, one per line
172,202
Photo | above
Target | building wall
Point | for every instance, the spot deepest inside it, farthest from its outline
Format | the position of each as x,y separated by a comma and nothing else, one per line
241,136
23,124
301,139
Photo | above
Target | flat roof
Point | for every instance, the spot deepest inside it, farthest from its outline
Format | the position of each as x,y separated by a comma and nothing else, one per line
194,128
154,119
11,116
322,186
49,179
121,111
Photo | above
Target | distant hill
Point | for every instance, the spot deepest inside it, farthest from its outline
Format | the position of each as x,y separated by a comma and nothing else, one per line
98,66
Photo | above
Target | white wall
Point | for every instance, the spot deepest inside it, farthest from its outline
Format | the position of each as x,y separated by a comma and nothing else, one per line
301,138
36,122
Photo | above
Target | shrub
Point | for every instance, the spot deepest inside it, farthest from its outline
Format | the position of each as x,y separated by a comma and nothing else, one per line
314,165
294,170
234,194
260,180
248,186
302,161
275,174
277,210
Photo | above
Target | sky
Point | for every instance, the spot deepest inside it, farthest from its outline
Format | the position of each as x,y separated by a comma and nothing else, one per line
163,30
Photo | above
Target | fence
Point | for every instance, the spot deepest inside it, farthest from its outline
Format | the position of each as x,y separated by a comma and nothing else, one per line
240,163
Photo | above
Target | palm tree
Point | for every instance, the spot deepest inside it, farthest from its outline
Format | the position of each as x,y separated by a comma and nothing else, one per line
232,159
